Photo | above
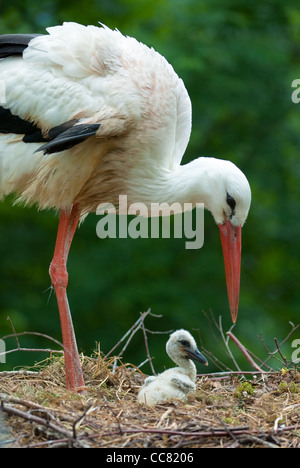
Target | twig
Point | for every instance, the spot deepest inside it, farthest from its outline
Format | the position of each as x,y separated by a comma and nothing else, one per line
257,440
133,329
39,350
15,335
262,363
19,348
142,363
230,373
20,373
273,353
213,432
226,342
144,314
147,348
215,361
37,419
50,422
280,353
14,332
79,420
209,433
244,351
229,430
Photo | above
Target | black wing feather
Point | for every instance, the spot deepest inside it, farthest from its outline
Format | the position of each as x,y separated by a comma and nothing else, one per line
68,138
10,123
60,137
14,44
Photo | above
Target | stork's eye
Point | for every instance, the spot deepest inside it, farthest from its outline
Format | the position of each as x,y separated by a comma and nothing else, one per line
230,201
185,343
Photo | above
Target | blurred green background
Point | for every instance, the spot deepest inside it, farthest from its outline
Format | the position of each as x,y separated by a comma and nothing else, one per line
238,61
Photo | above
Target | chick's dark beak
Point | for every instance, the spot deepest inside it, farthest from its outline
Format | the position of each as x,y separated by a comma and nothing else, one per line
197,356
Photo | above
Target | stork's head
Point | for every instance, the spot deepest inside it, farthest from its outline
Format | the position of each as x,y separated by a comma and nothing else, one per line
228,198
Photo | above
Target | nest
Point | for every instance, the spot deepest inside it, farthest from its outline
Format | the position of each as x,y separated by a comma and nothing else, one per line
259,408
227,410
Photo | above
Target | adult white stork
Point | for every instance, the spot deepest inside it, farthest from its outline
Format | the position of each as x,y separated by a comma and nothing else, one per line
89,114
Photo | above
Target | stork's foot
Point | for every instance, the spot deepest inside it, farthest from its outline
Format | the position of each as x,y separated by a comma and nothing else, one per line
82,390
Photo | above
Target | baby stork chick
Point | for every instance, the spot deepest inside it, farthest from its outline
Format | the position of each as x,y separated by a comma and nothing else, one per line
176,382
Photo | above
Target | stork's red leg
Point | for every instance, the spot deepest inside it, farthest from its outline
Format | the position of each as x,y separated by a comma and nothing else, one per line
59,276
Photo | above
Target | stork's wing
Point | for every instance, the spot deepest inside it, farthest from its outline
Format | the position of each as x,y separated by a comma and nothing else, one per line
183,383
96,76
58,138
56,82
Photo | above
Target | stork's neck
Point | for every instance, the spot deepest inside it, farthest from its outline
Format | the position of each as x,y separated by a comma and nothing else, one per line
187,366
187,184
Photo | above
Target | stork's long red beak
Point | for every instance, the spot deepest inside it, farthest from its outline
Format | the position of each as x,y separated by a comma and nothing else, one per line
231,238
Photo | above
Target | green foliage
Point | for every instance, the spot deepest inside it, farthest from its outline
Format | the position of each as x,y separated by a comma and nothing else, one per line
244,389
238,61
290,387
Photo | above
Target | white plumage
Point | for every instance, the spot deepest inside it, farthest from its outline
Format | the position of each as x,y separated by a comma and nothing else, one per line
89,115
97,76
177,382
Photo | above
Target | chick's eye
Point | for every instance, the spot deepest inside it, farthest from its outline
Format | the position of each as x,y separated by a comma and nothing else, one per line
230,201
185,343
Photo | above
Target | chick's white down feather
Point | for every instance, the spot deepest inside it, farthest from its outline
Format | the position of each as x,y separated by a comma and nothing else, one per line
177,382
